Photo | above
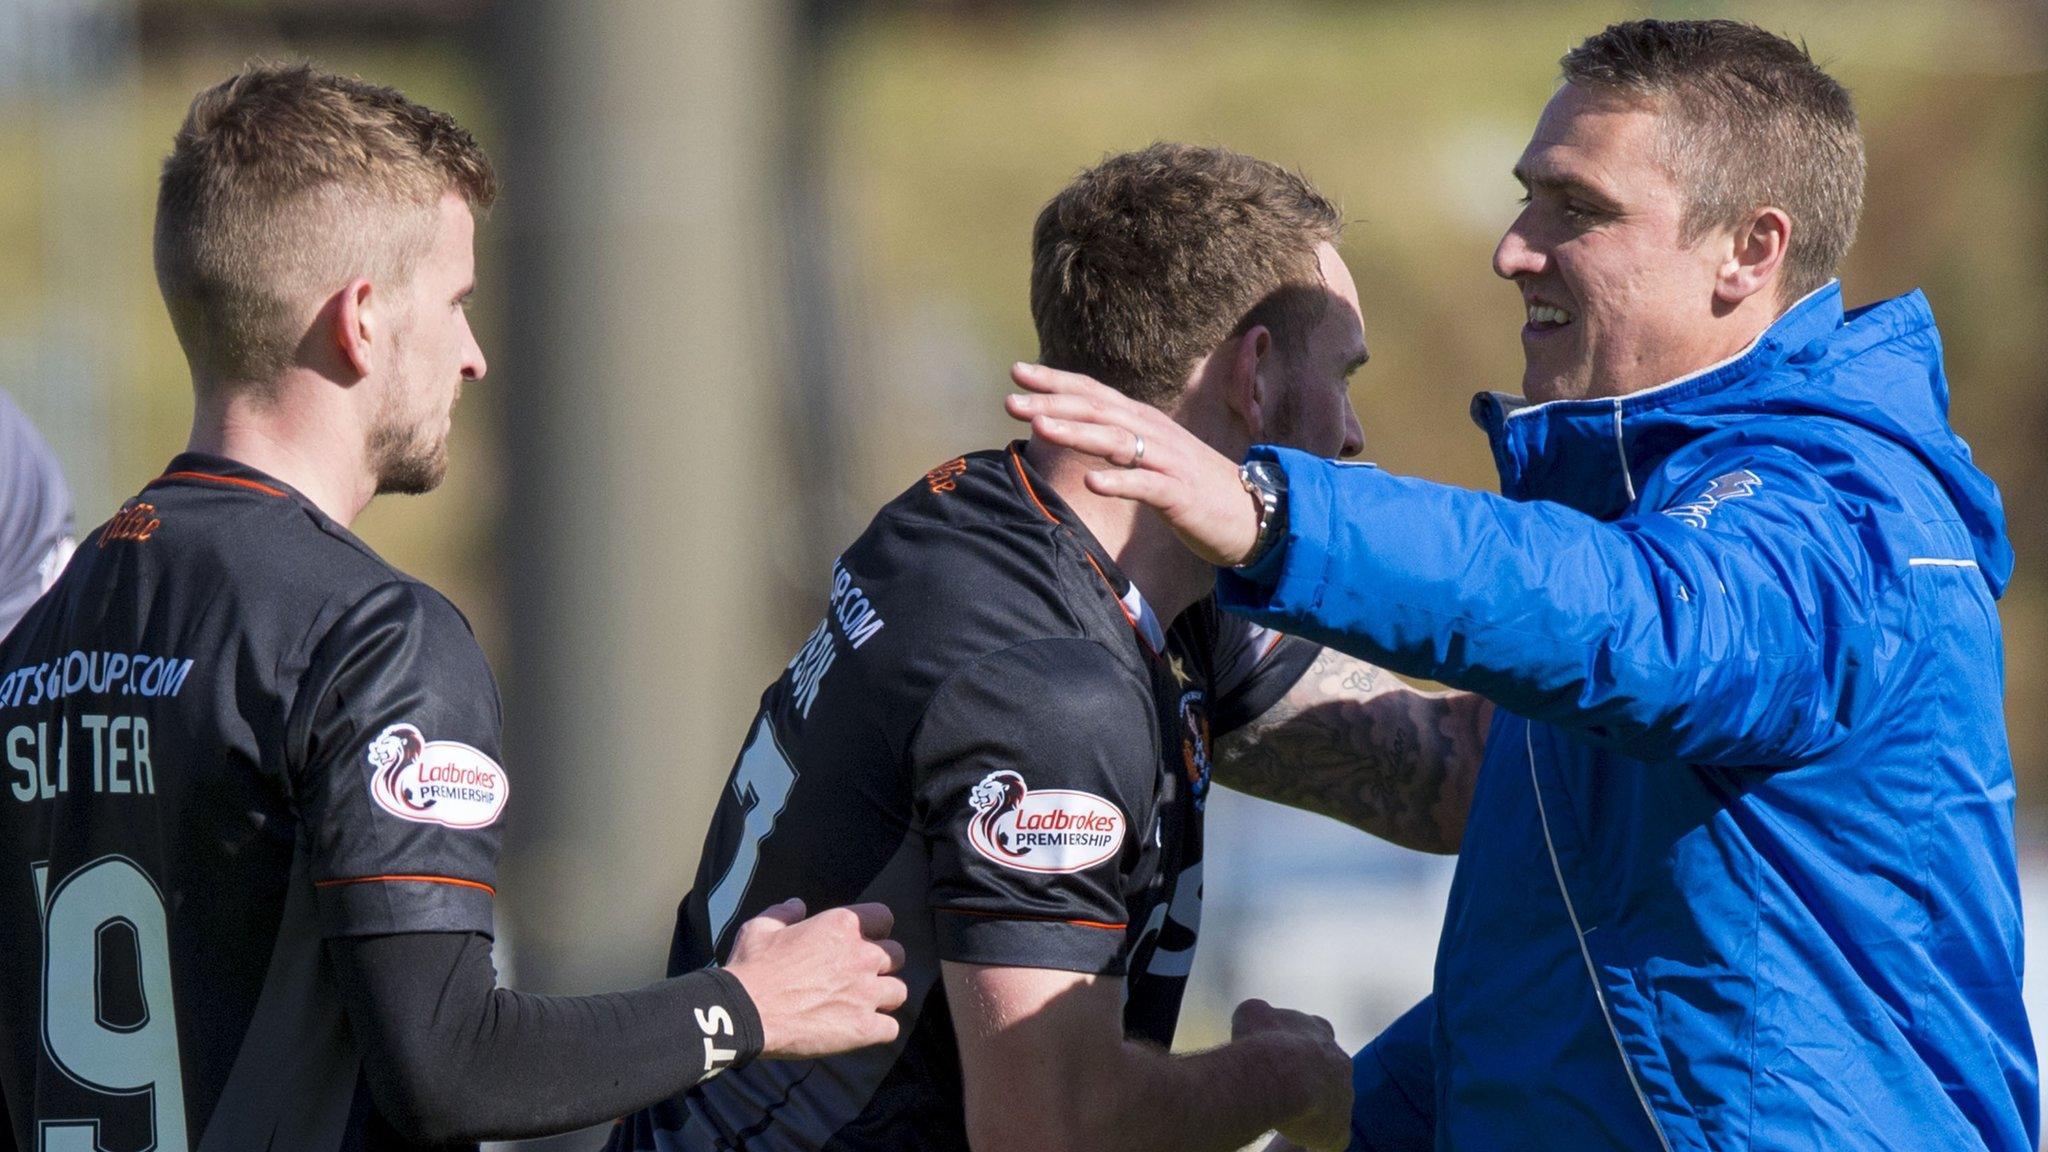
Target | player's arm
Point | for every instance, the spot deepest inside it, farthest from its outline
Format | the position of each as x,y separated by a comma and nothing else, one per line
450,1056
1034,946
1672,634
399,792
1047,1069
1355,743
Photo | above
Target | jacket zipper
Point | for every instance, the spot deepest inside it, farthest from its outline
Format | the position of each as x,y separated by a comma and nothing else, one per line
1586,954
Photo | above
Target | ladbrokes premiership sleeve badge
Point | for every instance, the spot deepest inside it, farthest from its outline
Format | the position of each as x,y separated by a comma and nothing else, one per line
441,782
1043,830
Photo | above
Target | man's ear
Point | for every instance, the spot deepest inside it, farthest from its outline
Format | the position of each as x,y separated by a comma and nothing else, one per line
1756,252
355,325
1246,391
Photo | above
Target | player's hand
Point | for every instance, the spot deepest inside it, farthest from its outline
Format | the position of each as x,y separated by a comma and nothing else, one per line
1309,1044
1193,486
823,985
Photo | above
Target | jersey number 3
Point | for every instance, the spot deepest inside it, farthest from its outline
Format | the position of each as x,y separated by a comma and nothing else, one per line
119,1042
761,782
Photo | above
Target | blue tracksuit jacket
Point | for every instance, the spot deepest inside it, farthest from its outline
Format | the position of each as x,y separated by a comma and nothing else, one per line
1739,871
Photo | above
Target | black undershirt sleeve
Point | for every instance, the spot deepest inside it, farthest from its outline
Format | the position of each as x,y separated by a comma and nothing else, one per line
450,1057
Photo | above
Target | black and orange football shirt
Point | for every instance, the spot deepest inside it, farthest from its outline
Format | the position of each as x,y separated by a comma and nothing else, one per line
228,733
990,732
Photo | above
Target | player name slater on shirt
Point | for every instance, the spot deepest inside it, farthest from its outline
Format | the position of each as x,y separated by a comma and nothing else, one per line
40,760
107,751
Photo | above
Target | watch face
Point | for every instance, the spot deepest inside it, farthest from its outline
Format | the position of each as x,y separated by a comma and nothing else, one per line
1270,477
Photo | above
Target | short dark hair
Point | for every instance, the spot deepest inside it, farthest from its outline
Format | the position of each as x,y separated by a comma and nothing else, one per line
1750,122
285,180
1148,260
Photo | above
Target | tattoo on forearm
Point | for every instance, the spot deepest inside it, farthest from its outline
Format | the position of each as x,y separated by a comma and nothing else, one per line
1353,742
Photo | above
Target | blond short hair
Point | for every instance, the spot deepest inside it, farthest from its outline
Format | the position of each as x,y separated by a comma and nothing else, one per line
283,184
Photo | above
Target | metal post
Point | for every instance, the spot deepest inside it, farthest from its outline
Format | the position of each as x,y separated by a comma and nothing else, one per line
649,462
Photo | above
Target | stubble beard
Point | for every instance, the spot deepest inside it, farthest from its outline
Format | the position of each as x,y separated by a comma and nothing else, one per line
406,459
1284,426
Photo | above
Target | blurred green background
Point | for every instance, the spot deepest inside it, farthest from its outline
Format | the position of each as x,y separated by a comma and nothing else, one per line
760,264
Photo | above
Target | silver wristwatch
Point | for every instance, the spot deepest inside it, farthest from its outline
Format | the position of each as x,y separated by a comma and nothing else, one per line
1267,482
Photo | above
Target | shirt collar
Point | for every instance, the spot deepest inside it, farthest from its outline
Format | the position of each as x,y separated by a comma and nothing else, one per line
1137,610
205,467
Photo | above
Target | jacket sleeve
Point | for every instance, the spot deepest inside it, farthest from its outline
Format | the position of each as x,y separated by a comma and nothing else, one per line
1393,1083
1735,631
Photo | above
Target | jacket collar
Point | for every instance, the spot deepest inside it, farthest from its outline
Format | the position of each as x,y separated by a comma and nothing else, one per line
1591,454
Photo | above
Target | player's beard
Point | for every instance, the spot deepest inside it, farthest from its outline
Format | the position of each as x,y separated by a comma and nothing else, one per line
407,453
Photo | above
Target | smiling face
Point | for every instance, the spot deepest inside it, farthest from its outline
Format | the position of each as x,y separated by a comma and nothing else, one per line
432,353
1311,405
1617,298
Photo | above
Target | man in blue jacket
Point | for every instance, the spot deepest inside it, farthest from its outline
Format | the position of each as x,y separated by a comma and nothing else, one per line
1738,867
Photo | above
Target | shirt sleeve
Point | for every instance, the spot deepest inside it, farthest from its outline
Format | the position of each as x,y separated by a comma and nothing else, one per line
398,787
1034,773
1255,666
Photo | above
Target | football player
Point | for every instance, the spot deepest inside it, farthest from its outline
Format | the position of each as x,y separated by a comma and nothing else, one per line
249,846
1002,727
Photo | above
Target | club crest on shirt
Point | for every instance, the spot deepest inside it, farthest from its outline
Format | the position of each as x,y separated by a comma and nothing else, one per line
1043,830
1194,745
441,782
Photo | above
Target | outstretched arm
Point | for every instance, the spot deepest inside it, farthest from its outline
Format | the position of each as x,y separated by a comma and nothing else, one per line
1742,638
1355,743
450,1057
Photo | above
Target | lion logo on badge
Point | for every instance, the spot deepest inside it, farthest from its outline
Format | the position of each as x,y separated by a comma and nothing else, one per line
998,795
396,749
1719,490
